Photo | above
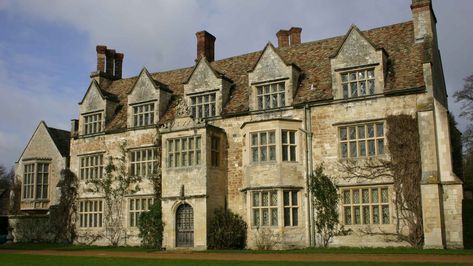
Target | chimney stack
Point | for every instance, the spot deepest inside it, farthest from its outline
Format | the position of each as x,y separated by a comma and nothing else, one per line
109,64
424,19
118,65
289,37
205,46
295,35
283,38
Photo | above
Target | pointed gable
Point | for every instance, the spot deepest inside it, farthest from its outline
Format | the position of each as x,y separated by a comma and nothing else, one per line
94,98
269,66
202,78
356,49
144,89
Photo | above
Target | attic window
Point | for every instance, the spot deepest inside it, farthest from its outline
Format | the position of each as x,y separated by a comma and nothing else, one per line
270,96
203,105
92,123
358,83
143,115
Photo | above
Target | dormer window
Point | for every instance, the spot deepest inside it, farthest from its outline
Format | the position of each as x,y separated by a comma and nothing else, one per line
93,123
203,105
143,115
358,83
270,96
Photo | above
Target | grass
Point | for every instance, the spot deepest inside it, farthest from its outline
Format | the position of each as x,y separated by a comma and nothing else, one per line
346,250
40,260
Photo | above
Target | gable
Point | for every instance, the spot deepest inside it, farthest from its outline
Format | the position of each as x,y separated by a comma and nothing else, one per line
356,49
144,89
93,99
202,78
41,145
270,66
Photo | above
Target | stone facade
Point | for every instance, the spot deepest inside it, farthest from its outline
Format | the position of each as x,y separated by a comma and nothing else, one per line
246,132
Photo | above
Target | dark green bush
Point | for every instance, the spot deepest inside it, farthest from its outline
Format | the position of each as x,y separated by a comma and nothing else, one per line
227,230
151,227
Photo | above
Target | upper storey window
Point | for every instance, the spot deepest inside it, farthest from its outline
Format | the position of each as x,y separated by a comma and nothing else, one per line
362,140
270,96
263,146
143,115
203,105
93,123
184,152
35,182
358,83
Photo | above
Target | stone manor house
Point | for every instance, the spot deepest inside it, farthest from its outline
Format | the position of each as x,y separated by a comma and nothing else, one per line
245,132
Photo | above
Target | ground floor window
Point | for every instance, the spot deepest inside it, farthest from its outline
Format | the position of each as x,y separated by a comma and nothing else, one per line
268,205
136,206
90,213
366,205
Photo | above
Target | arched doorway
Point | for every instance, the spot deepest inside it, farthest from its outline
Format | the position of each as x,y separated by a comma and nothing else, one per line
185,226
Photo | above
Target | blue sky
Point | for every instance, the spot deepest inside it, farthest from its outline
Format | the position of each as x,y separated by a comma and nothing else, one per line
47,48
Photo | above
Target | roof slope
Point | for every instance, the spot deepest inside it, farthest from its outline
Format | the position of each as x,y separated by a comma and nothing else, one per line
62,139
313,58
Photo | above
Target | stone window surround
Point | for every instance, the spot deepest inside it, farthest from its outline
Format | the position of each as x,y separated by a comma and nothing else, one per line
132,163
280,207
270,94
132,212
366,79
356,124
370,204
35,163
197,152
152,113
102,122
253,103
215,151
209,103
90,168
378,78
99,212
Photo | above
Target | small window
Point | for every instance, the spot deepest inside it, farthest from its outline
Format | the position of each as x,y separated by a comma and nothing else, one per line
184,152
362,140
143,115
137,206
358,83
35,181
291,208
368,205
288,145
93,123
263,146
143,162
203,106
90,213
91,166
265,208
270,96
215,151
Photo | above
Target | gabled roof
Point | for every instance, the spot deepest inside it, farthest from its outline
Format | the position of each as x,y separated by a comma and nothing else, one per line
103,93
156,84
352,28
313,59
61,139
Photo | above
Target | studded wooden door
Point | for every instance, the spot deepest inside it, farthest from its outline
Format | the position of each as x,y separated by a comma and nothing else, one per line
184,226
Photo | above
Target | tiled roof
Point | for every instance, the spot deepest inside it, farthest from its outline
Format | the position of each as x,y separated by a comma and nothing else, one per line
313,58
62,140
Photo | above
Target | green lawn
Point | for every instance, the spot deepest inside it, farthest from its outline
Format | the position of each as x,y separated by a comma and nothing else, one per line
38,260
403,250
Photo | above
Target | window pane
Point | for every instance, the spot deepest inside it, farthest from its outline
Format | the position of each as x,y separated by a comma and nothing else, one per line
357,215
265,200
256,217
346,197
356,196
286,198
265,217
343,133
379,130
384,195
294,198
366,215
385,214
371,148
380,146
256,199
287,216
274,216
366,196
274,199
374,195
347,212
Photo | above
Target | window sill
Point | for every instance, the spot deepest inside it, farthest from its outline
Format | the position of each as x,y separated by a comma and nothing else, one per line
35,200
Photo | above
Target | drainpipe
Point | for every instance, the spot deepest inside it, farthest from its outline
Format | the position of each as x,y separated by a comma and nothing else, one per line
309,166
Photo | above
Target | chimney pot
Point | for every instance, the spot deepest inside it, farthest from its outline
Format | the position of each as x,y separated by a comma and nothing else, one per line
110,54
283,38
205,46
295,35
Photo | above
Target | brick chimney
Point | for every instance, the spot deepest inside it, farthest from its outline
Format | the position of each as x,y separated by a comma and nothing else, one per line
283,38
295,33
101,50
118,65
205,46
424,19
109,65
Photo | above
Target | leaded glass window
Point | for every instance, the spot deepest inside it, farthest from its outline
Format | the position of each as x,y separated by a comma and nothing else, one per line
367,205
362,140
358,83
270,96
